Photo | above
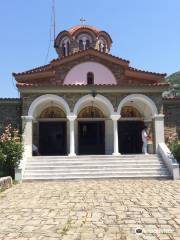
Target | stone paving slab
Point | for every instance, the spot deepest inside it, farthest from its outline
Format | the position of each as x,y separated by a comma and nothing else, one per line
90,210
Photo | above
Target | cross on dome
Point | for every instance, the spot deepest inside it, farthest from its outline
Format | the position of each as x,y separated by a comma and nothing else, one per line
82,20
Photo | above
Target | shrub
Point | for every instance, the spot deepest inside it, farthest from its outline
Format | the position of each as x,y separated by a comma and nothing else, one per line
11,150
2,160
175,149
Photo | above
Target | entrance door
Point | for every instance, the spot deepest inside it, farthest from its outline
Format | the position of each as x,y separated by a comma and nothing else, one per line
52,138
130,141
91,137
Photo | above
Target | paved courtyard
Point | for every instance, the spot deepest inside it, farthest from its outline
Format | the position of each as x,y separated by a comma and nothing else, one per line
90,210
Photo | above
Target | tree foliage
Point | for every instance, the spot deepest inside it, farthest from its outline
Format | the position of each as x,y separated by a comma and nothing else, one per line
11,150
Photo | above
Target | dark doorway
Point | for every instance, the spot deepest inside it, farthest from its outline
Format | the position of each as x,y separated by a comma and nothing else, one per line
130,141
91,137
52,138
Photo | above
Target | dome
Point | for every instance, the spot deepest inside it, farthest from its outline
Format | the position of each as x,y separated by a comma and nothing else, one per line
72,30
82,37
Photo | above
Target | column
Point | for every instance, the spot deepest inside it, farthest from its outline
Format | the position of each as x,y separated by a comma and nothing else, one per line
115,118
159,129
27,139
72,119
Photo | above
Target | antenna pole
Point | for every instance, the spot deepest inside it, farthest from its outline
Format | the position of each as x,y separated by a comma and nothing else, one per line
54,17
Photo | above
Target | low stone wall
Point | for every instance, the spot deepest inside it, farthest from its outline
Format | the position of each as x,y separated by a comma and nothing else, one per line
5,182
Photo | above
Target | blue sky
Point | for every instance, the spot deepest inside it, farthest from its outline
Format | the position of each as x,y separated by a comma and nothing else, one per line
146,32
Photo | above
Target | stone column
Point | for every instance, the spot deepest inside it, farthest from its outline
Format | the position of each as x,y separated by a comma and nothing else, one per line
72,119
158,129
115,118
27,132
27,141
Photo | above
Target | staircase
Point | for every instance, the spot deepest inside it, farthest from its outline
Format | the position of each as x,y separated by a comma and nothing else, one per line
95,167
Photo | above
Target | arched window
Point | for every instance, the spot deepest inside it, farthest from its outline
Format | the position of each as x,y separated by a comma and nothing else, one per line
104,48
90,78
80,44
52,112
91,112
87,43
64,49
68,48
129,111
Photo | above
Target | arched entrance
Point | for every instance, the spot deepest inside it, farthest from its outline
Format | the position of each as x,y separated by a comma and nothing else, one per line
129,131
93,121
52,132
91,131
136,111
49,128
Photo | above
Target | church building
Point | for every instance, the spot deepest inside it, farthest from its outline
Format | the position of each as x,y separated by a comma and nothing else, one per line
89,102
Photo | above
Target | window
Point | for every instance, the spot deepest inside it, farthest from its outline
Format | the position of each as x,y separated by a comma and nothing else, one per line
68,48
87,44
64,49
90,78
104,49
80,44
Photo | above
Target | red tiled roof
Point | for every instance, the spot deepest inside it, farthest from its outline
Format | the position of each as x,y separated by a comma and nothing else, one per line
142,71
43,68
83,85
91,49
9,99
48,67
76,28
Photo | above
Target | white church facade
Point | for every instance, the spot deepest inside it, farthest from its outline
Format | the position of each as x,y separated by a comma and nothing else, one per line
89,102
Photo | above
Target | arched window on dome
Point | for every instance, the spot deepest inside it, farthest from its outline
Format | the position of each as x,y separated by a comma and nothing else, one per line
102,45
90,78
68,48
81,44
87,43
84,40
104,48
64,49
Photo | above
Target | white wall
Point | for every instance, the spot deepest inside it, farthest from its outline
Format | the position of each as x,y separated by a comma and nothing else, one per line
78,74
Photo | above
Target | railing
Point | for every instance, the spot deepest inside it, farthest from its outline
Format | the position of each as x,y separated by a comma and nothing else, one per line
169,160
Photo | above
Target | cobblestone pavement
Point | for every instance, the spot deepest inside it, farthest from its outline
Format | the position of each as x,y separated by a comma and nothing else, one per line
90,210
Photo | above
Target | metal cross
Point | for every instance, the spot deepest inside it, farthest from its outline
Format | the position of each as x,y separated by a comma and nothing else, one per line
82,20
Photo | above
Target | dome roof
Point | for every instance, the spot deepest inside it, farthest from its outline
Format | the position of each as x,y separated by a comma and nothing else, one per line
82,37
72,30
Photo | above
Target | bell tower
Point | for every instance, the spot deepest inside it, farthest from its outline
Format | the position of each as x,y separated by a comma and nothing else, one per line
81,38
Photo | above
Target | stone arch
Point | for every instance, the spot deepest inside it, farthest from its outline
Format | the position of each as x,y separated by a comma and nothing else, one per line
142,102
100,101
47,100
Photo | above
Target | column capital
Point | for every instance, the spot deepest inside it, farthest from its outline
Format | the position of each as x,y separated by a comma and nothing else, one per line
27,118
72,117
159,117
115,116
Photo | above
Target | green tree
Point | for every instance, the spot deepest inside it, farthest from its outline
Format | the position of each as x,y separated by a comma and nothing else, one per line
11,151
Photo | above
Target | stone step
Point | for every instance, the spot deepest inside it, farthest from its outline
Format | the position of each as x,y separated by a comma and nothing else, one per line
95,176
88,162
93,159
87,167
105,157
99,156
93,171
91,166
